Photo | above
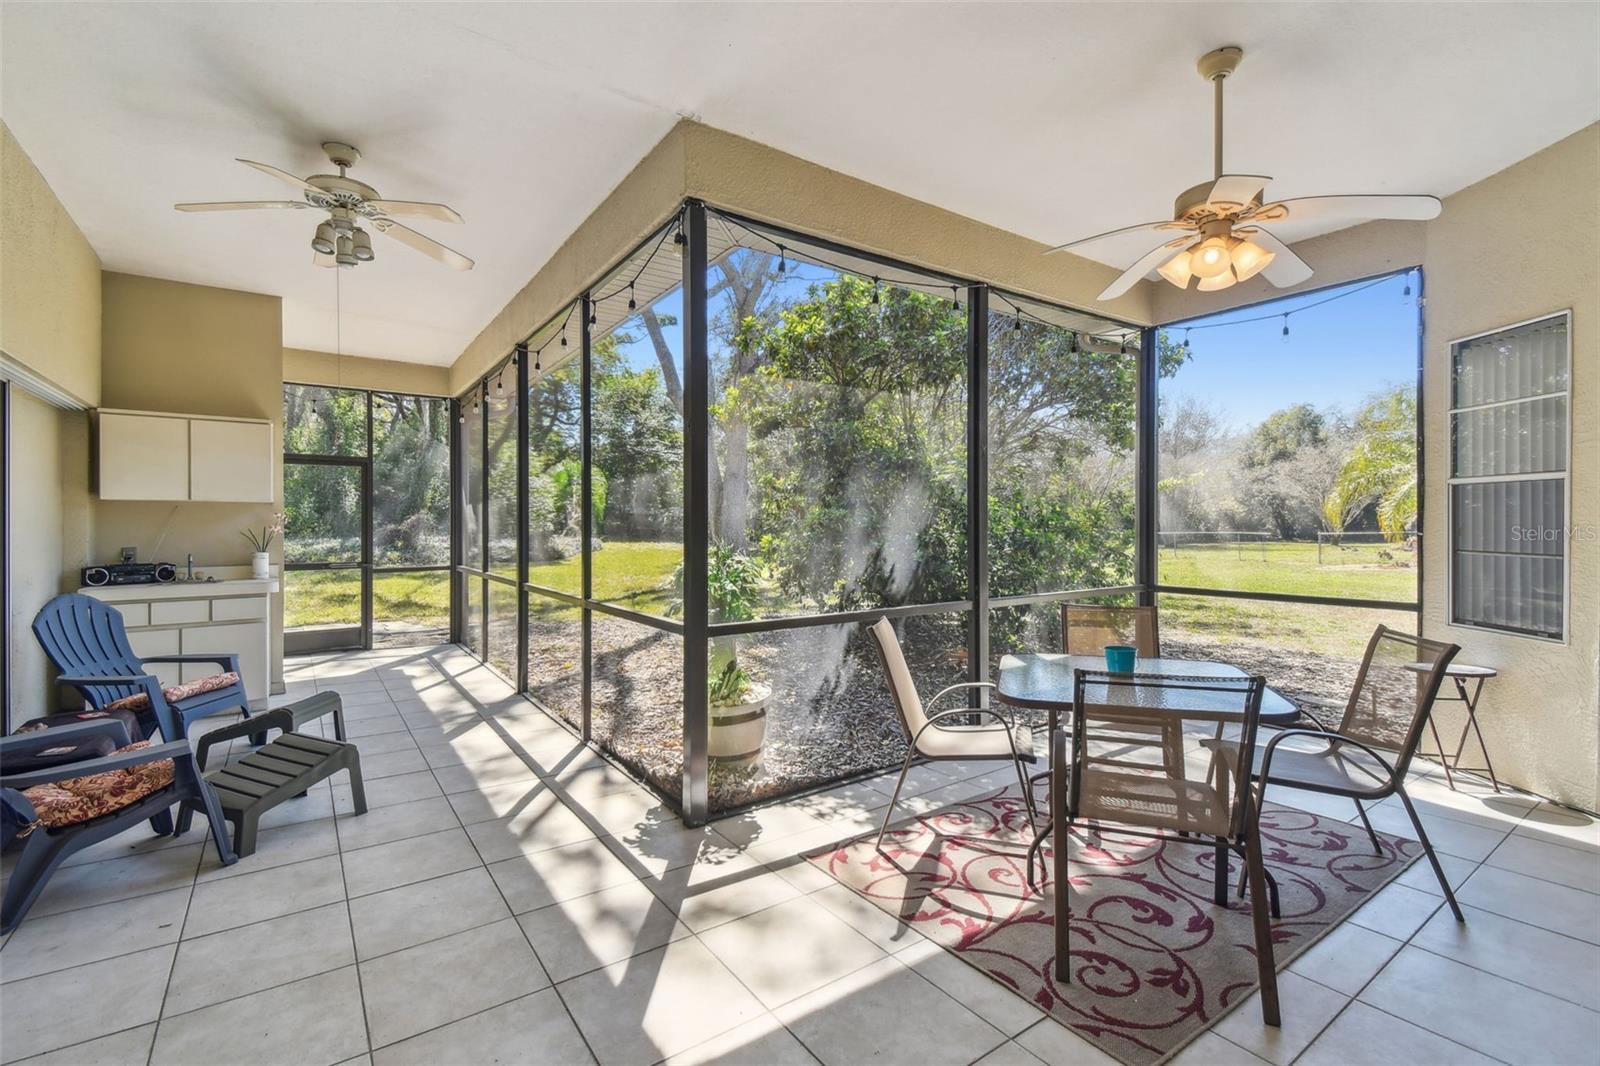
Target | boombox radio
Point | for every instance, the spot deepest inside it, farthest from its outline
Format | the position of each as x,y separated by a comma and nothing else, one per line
129,574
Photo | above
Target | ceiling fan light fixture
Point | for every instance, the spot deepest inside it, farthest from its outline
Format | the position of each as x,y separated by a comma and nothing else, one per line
345,256
1250,259
363,245
1210,258
1224,280
1177,269
322,240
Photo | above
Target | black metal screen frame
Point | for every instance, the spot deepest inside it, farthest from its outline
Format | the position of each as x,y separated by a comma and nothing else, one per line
369,570
694,627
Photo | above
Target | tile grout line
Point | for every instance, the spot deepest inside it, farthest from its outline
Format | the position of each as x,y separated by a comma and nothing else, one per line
571,1018
172,967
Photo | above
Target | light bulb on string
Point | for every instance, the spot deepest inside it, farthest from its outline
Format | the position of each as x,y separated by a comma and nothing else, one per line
536,367
955,298
563,338
633,304
875,291
1405,293
1286,329
782,262
1186,340
1018,326
593,318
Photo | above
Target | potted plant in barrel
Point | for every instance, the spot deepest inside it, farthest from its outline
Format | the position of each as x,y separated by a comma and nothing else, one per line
738,703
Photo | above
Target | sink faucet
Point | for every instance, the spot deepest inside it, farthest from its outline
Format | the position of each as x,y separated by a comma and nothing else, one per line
191,566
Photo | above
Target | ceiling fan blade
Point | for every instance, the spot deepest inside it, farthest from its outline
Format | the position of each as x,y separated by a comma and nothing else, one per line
1147,262
1286,268
1165,224
243,205
285,176
416,209
1238,189
426,245
1357,208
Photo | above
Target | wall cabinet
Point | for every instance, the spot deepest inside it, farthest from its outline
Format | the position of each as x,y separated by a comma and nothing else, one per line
149,455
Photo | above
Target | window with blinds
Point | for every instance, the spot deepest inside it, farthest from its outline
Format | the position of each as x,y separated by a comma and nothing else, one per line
1508,478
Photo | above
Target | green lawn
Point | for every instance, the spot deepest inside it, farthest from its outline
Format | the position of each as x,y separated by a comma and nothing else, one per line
1291,567
636,574
333,597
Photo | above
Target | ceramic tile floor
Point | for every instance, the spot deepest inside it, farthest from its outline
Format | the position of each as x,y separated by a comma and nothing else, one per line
510,897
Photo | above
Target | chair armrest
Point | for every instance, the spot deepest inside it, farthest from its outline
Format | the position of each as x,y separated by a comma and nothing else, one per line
1006,726
244,727
1333,739
174,750
230,662
31,742
942,693
104,679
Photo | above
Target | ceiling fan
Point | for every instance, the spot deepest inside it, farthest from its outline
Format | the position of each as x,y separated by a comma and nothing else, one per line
340,241
1222,240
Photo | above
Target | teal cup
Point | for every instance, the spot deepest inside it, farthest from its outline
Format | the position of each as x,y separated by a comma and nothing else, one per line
1121,657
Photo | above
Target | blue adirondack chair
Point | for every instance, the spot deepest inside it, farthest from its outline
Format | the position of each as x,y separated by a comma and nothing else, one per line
45,847
87,642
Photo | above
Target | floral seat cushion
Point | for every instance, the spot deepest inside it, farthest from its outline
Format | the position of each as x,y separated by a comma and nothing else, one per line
175,693
78,799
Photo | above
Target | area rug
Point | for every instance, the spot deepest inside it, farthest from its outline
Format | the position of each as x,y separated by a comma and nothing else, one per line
1154,961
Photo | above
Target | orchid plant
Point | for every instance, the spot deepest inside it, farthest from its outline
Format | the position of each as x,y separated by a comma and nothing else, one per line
262,541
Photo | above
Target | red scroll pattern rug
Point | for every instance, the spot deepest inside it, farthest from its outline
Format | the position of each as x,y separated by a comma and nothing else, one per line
1154,961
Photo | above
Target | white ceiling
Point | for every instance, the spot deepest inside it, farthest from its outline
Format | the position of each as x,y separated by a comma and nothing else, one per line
1053,121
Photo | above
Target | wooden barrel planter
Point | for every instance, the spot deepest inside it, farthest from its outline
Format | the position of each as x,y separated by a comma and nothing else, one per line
738,730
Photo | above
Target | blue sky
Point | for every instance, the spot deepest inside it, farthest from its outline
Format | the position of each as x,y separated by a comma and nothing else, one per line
1336,355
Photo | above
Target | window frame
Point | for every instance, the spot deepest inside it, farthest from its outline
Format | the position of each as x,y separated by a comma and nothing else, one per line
1564,475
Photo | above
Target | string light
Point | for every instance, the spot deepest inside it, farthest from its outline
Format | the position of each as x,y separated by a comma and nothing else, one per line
782,263
955,298
593,318
874,290
1018,326
563,336
536,367
1286,329
1185,340
633,304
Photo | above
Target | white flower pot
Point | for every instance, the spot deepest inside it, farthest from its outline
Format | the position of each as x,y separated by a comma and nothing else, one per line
260,566
738,731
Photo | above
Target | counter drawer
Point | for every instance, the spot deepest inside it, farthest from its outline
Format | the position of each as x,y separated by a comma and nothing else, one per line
238,608
179,612
134,615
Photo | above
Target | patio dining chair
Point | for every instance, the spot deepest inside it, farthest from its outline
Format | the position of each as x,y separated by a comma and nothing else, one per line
86,640
1086,629
63,809
1121,779
1366,758
936,736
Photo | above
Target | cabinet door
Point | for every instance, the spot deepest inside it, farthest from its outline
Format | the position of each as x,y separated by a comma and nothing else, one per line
143,457
248,640
158,642
230,461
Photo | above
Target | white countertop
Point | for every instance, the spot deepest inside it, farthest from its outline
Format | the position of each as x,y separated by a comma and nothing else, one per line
184,590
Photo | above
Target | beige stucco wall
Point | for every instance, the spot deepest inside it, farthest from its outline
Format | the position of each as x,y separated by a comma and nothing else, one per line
49,281
50,535
1522,243
170,346
50,325
355,372
741,175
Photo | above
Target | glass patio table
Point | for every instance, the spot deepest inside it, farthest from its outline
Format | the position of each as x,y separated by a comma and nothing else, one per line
1044,681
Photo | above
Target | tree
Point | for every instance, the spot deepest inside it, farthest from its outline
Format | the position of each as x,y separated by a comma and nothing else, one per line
1381,468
